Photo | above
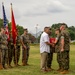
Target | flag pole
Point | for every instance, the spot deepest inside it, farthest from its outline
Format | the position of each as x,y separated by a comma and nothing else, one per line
12,35
5,23
11,17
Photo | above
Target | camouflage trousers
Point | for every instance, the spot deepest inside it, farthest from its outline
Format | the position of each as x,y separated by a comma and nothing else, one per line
65,60
10,53
16,55
25,55
0,56
4,57
49,59
59,59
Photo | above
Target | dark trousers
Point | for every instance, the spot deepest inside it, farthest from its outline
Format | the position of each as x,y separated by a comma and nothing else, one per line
4,57
0,56
10,53
27,55
18,53
49,60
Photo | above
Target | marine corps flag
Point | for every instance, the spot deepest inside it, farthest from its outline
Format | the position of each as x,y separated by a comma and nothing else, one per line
5,22
13,27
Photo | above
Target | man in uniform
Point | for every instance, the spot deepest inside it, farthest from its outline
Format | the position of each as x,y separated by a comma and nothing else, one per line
10,50
18,43
57,50
64,48
25,47
1,67
4,48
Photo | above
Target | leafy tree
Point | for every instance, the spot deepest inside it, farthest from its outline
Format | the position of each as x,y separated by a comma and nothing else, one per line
19,28
57,25
72,32
32,38
1,23
70,29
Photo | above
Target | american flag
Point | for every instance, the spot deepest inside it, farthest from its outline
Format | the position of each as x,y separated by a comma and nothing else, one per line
5,21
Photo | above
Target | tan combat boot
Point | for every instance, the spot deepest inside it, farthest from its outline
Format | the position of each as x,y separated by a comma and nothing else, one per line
64,72
50,69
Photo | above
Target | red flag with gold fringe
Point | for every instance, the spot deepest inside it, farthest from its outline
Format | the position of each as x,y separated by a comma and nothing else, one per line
13,27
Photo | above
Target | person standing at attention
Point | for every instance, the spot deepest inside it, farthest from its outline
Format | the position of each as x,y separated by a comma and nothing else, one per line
64,48
25,47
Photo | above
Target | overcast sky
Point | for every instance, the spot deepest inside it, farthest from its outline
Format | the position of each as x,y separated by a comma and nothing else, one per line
29,13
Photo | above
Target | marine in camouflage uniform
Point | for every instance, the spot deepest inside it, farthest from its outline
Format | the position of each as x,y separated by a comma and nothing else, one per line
64,49
25,47
15,54
4,48
28,48
1,67
10,50
18,43
57,50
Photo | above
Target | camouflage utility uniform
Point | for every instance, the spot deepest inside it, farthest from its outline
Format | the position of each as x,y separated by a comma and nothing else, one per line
25,52
65,53
4,48
0,58
57,50
10,50
18,43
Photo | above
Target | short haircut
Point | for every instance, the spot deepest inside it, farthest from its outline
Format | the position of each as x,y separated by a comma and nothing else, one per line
57,29
25,29
64,25
47,28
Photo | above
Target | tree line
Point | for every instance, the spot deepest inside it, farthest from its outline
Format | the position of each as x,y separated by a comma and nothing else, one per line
20,28
70,29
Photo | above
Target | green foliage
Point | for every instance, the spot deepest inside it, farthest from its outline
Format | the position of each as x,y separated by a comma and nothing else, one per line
52,32
54,26
31,37
1,23
19,28
73,43
71,30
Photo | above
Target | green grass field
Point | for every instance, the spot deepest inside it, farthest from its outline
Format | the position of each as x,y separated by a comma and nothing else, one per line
34,67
